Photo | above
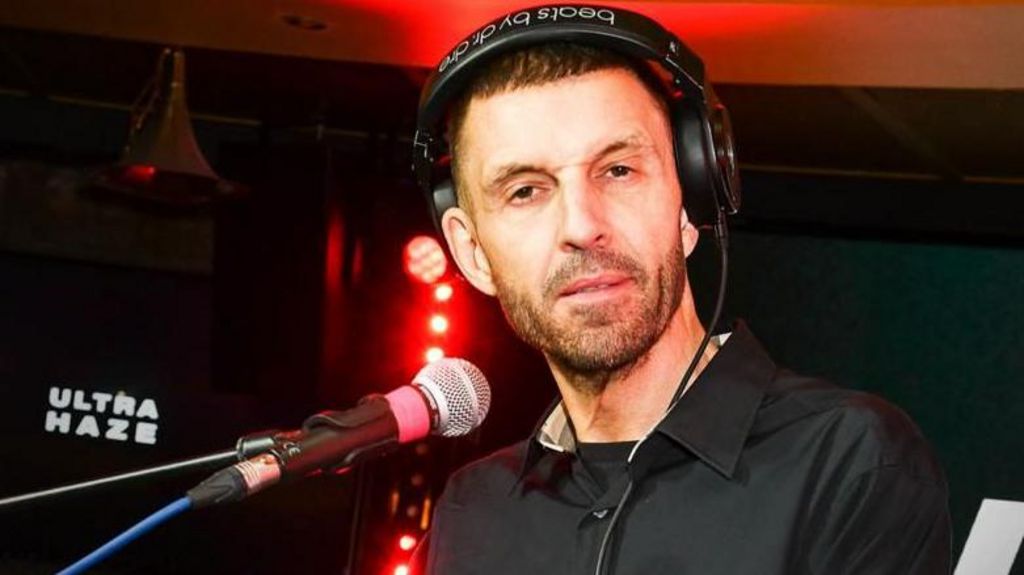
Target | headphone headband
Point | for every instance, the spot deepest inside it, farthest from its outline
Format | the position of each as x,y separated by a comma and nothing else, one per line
620,31
602,27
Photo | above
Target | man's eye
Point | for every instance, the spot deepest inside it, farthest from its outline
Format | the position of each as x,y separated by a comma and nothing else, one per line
619,171
522,193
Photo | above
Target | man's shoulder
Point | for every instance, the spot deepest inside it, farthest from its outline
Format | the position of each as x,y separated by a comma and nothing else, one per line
862,426
493,474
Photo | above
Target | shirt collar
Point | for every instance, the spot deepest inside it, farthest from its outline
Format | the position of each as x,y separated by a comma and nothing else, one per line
555,431
711,420
714,418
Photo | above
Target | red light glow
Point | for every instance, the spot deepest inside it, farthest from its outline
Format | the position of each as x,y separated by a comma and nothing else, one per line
406,542
438,323
443,292
433,354
140,174
424,259
401,569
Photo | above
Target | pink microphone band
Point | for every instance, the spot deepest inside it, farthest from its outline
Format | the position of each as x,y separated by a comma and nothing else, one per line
411,412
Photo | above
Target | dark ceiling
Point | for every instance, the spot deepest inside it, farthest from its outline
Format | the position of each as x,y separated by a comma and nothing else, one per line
954,135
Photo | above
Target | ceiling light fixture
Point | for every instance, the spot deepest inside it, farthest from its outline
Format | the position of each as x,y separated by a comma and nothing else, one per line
162,163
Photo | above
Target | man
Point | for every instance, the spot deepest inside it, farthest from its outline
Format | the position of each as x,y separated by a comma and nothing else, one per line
570,212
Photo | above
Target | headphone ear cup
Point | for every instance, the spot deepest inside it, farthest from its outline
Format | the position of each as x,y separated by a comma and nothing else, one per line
442,198
694,166
727,171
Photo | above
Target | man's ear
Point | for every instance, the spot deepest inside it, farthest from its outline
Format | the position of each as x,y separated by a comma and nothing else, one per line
688,232
460,233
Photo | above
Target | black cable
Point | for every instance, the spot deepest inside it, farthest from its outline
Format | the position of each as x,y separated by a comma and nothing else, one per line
722,241
599,569
721,230
204,462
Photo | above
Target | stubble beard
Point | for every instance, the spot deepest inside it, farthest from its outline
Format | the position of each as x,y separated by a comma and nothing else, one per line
593,342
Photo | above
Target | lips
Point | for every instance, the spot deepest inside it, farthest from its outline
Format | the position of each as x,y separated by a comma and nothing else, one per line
594,284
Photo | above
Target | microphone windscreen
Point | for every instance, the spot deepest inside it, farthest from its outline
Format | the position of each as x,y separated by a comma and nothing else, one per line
411,413
460,394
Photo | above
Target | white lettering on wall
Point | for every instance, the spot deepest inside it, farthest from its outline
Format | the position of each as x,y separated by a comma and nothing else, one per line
101,399
87,426
147,409
80,404
58,422
59,397
84,413
124,405
145,433
116,429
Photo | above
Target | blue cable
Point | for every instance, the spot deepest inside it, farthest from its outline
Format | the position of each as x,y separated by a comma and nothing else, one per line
136,531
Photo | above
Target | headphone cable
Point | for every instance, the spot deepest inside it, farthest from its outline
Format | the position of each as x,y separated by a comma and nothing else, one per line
721,230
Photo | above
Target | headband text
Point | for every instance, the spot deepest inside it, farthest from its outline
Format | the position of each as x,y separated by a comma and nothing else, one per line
522,20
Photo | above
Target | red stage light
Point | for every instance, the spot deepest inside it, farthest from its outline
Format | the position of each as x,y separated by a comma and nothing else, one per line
424,259
433,354
443,292
406,542
438,323
401,569
139,173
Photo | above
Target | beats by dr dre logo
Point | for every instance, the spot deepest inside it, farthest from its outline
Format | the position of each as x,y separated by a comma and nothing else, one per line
524,19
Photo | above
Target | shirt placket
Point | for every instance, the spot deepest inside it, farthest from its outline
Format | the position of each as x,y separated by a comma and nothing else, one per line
593,521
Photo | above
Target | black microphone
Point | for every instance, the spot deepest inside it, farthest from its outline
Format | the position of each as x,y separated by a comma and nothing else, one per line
449,397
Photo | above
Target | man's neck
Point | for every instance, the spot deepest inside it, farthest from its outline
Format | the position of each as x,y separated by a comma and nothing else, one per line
634,398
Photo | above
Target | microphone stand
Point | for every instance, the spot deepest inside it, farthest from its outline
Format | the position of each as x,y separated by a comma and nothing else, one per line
247,446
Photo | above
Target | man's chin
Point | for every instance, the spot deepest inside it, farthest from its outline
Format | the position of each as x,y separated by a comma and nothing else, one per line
603,349
602,316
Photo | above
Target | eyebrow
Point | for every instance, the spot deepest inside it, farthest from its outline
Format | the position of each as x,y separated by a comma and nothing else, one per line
633,141
505,172
508,171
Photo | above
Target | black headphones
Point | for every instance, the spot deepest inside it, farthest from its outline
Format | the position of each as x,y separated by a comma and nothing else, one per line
705,158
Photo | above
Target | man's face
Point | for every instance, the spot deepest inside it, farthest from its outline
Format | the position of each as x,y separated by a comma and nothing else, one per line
574,219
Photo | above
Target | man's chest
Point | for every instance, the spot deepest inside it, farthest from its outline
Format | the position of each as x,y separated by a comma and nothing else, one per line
686,519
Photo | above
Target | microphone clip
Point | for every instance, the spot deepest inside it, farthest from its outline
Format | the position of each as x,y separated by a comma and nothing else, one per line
343,437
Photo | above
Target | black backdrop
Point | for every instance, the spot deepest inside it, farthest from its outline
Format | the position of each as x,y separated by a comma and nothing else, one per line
929,318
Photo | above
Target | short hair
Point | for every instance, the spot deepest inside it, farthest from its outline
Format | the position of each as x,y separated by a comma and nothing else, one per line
536,66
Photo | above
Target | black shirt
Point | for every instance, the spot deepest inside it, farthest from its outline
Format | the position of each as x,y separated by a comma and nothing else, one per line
605,462
755,471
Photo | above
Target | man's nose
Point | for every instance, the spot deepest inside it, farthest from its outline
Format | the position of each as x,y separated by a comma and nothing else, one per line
584,217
